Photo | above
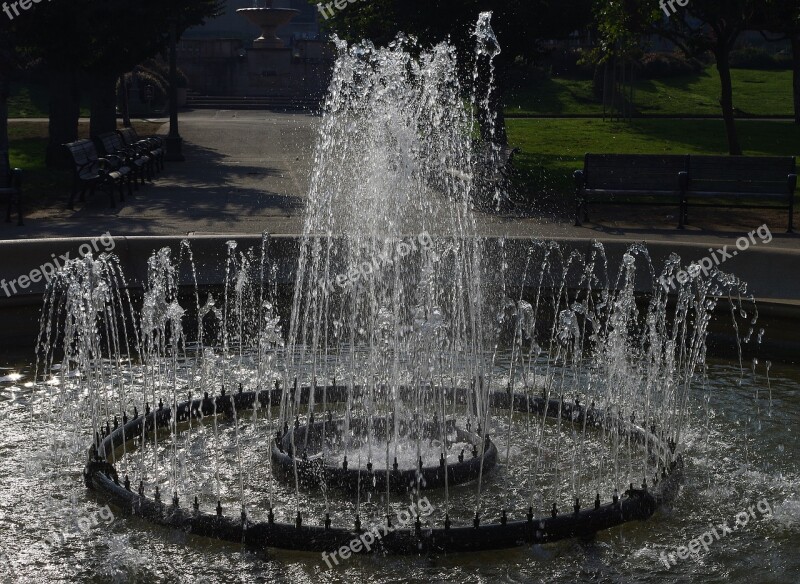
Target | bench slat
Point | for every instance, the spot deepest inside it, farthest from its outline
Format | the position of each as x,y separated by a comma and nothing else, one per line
634,171
725,164
738,187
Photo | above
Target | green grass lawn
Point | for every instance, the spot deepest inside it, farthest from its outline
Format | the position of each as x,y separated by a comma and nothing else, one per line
42,186
552,149
755,93
31,100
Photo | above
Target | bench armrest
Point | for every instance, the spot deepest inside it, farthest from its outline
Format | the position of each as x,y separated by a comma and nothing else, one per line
125,155
792,183
16,179
580,179
105,162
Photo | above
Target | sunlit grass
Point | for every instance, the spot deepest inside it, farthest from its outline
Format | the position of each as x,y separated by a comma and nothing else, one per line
755,93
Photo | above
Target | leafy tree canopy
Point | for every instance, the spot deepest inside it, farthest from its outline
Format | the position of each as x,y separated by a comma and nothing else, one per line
519,24
108,37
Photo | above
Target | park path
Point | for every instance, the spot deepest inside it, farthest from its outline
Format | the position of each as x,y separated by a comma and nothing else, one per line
247,172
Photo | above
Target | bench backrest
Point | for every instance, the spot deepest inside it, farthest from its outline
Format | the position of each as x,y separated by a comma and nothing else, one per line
645,172
112,142
83,153
128,135
741,174
5,170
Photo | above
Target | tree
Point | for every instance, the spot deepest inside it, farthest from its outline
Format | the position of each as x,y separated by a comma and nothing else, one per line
520,26
87,45
702,26
7,67
782,18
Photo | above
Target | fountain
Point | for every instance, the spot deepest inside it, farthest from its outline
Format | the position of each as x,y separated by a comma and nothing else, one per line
415,367
268,19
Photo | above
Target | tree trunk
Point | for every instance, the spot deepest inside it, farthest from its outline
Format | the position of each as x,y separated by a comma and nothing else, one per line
126,107
726,100
496,104
103,104
796,69
4,88
65,112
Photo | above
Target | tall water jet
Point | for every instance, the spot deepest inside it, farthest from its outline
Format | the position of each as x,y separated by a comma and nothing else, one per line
395,306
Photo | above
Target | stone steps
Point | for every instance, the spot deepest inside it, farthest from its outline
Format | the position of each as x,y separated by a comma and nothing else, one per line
252,103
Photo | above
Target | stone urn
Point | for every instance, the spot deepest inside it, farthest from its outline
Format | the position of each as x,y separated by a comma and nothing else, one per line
268,20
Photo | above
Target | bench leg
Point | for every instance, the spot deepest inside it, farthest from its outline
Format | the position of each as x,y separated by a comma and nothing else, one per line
682,215
110,186
14,200
577,211
72,195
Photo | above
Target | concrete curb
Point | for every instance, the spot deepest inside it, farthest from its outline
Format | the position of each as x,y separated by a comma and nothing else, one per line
773,274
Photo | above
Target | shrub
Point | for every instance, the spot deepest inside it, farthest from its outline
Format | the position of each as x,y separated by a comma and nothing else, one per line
749,57
523,72
571,62
664,65
161,69
140,80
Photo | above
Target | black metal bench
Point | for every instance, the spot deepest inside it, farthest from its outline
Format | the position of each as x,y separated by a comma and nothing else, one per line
90,171
687,181
742,181
614,179
153,145
138,161
11,187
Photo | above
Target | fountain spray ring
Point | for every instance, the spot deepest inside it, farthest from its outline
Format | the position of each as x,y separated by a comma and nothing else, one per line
313,470
101,475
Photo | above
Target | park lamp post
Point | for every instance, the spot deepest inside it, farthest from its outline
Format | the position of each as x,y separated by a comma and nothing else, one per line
174,140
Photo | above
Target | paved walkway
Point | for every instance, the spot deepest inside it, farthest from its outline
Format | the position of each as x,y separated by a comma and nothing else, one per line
248,171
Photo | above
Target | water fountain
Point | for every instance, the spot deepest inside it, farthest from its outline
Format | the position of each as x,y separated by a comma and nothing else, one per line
524,407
